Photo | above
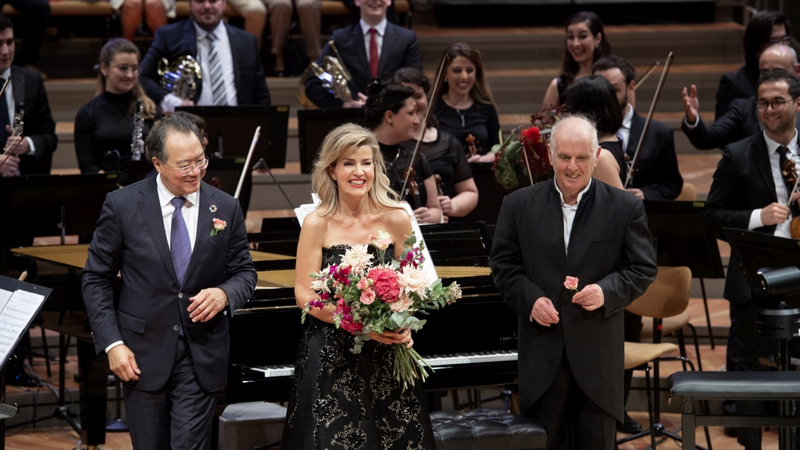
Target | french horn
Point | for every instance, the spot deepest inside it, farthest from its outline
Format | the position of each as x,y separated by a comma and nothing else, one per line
182,77
334,77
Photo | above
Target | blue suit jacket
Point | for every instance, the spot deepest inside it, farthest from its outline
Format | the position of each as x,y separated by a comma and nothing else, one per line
399,50
180,39
130,240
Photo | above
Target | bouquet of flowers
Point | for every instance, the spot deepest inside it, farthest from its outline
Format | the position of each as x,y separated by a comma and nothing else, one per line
526,160
373,296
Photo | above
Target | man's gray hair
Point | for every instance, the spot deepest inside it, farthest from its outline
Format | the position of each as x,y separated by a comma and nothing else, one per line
157,138
581,124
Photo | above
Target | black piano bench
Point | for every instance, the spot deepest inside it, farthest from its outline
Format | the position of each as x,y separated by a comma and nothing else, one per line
484,428
700,386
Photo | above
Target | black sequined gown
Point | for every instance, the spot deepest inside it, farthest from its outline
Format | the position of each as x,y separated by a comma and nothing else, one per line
341,400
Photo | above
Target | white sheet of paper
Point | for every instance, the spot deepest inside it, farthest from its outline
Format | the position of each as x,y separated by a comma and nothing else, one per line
14,318
4,296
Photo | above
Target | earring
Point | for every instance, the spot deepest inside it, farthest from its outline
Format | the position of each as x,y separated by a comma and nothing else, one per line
444,80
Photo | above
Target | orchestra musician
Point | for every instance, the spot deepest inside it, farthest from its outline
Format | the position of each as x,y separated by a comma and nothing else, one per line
585,43
749,192
571,344
445,154
370,48
392,115
182,278
234,78
465,107
104,127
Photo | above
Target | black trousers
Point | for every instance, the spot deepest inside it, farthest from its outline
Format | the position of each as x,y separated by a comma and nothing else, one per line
178,416
572,420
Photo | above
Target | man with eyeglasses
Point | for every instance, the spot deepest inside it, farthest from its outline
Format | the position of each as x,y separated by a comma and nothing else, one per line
750,192
181,248
741,119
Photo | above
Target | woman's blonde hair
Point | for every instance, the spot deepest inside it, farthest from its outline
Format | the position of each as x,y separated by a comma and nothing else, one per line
340,140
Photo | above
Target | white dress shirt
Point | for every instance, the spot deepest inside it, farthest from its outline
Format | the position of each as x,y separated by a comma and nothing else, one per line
569,212
624,133
190,211
782,229
381,30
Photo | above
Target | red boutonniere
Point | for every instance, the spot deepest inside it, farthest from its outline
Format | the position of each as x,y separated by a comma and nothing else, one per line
219,226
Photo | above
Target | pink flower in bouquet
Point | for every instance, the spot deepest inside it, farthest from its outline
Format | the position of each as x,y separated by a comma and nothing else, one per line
381,241
367,296
385,284
571,283
350,326
403,303
363,283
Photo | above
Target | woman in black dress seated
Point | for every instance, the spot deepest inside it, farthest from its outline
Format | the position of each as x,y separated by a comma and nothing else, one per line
594,97
585,43
392,116
465,107
104,127
340,399
459,194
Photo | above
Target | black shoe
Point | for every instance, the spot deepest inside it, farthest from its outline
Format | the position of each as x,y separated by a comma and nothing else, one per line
20,378
629,426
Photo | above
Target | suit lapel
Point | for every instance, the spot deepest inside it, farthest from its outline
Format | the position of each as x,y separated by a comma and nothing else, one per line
204,225
760,155
18,82
234,42
150,209
190,41
387,50
361,52
554,217
637,125
579,224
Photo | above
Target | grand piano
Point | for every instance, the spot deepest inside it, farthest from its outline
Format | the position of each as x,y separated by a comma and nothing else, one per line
470,344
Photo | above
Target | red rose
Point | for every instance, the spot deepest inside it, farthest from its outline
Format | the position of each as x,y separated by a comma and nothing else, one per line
384,281
530,136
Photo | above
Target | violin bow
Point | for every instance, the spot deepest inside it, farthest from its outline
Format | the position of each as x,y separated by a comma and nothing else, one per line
635,159
434,94
646,74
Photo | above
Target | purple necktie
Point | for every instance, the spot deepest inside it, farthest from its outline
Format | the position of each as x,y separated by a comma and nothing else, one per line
180,246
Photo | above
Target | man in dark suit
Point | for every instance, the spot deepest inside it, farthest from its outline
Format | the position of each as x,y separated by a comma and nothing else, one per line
571,344
764,29
657,176
750,193
25,95
181,248
366,54
741,119
234,77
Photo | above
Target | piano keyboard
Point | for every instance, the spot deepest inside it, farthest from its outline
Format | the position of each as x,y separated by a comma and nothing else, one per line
434,361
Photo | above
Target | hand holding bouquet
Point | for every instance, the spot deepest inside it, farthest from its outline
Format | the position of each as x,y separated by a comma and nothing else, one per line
373,297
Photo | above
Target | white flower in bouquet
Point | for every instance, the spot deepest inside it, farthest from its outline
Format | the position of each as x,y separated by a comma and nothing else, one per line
413,281
357,258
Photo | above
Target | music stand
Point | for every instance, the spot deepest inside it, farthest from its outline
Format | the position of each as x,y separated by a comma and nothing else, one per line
230,131
16,315
682,239
314,124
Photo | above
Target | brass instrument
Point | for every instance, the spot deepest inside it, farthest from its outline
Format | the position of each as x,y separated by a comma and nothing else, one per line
137,143
334,77
182,77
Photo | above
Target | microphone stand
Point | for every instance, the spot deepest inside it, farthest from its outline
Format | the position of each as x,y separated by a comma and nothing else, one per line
261,164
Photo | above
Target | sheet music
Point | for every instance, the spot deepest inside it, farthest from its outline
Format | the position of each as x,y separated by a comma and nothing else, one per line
4,296
15,317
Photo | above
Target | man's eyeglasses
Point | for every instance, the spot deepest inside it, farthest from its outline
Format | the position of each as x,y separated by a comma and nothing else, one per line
777,105
781,40
189,168
124,68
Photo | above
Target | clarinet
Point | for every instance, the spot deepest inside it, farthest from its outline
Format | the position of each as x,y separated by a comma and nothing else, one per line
137,144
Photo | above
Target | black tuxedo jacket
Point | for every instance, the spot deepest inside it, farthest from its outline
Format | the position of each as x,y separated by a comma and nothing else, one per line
30,96
742,83
400,49
610,245
743,182
738,122
657,173
180,39
130,240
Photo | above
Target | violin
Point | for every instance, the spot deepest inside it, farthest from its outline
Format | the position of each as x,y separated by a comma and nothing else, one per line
413,188
438,179
789,172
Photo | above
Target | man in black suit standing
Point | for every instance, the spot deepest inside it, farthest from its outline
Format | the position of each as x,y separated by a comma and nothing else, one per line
657,176
741,119
749,192
229,58
370,48
571,344
181,248
26,96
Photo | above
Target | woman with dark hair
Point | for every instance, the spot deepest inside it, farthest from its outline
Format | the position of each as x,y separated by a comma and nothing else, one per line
764,29
444,152
585,43
466,107
594,97
392,115
104,127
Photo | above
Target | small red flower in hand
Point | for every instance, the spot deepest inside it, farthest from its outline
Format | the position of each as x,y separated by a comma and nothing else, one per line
571,283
